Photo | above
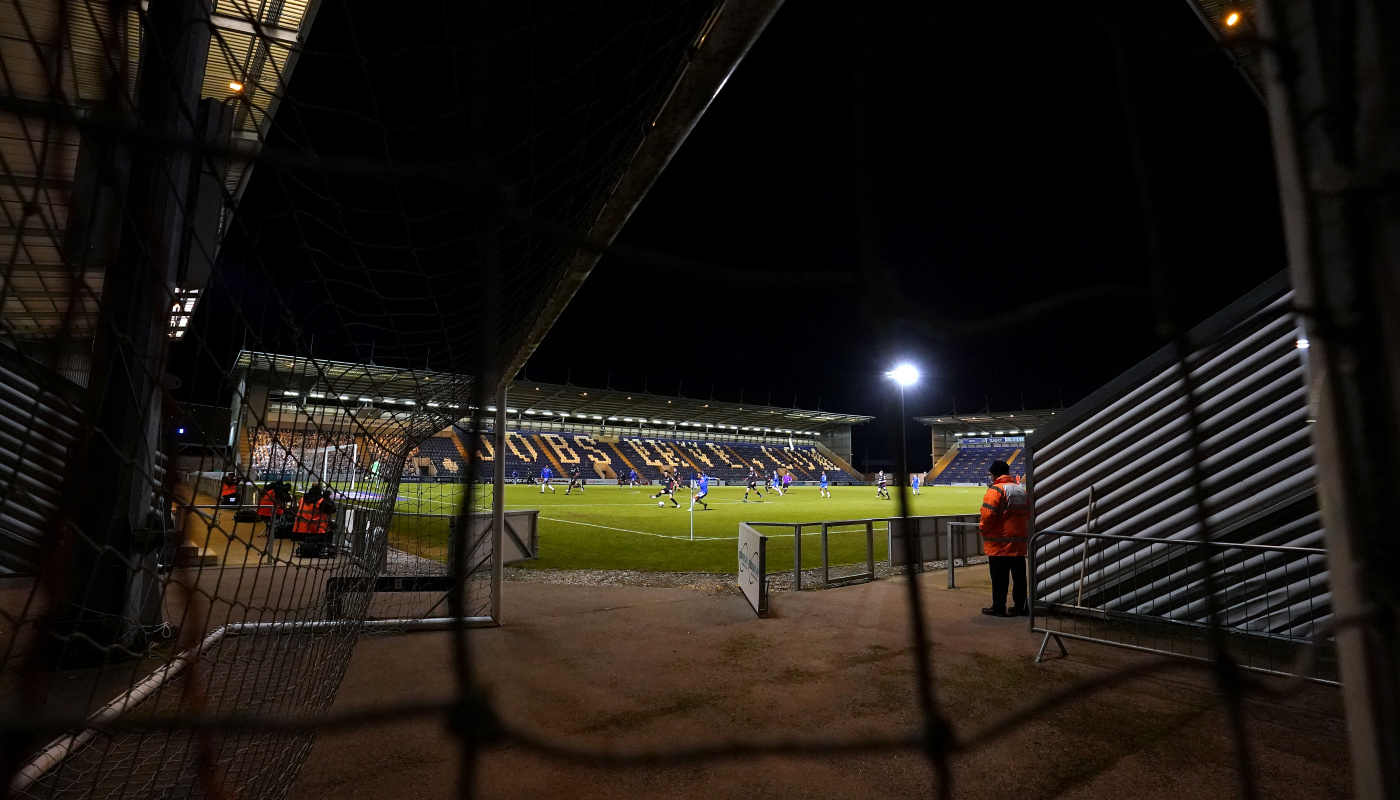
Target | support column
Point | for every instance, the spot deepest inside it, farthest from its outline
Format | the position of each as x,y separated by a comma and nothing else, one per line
1333,91
498,505
111,476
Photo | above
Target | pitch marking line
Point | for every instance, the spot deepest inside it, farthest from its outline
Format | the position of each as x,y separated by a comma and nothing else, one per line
642,533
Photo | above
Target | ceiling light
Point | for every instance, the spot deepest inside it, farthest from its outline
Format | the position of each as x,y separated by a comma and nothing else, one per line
1232,19
238,87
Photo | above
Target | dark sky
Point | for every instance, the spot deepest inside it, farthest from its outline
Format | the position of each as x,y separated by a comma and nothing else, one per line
994,156
1000,172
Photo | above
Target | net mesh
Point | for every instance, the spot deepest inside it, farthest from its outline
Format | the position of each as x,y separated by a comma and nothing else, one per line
222,384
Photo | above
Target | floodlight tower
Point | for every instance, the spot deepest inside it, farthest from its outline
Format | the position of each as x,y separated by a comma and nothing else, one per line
904,375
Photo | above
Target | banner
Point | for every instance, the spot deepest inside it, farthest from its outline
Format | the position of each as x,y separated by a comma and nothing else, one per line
993,441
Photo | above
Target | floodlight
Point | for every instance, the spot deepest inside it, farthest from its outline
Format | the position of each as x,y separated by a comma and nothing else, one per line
235,86
1232,19
904,374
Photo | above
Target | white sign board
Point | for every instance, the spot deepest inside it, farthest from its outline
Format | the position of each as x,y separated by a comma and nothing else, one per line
753,569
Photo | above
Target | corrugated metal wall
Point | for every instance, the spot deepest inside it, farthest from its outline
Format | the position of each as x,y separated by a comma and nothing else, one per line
38,425
1130,443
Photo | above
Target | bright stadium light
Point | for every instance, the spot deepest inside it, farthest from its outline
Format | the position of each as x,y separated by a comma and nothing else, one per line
904,374
1232,19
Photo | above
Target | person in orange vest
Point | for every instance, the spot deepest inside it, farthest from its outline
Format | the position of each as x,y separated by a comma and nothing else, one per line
313,513
272,503
1006,514
228,490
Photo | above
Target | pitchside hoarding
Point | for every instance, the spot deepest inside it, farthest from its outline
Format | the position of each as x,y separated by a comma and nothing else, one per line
753,568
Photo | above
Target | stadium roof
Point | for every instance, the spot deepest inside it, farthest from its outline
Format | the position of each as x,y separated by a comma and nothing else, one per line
253,45
991,423
1232,26
598,405
335,382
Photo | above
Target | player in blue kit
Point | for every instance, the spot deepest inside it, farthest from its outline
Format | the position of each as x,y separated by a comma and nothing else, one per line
701,490
632,478
545,477
915,484
826,492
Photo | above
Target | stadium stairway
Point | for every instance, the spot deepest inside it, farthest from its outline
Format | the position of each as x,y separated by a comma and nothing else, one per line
941,464
614,447
840,462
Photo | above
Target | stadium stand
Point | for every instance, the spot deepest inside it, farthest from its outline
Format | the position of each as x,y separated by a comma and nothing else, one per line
529,451
969,463
285,453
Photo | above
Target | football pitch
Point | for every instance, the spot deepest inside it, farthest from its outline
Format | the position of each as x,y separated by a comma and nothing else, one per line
607,527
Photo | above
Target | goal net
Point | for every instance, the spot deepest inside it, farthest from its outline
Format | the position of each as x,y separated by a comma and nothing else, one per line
258,255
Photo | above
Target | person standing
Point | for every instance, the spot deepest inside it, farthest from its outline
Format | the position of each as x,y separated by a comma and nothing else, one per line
753,485
672,482
702,488
826,490
546,476
882,486
787,482
575,479
1006,514
914,483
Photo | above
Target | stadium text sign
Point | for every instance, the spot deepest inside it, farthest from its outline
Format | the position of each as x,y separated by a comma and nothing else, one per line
994,441
753,577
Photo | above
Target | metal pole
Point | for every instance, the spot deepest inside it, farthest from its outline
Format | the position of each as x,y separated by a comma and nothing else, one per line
797,558
498,505
1333,91
952,584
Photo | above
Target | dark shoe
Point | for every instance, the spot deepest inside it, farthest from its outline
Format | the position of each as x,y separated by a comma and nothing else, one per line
994,612
1018,612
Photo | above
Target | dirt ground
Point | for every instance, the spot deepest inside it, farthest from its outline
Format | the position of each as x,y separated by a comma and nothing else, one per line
632,667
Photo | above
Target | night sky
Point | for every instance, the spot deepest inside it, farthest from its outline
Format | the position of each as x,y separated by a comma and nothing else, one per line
991,144
1001,174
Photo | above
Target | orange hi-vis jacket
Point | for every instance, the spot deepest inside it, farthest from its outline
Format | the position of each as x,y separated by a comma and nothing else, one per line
1006,514
267,501
228,490
311,520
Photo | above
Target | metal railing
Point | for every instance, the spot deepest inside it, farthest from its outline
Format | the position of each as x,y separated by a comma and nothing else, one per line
1267,607
950,538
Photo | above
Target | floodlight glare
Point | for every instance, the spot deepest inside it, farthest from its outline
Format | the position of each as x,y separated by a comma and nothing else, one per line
1232,19
235,86
904,374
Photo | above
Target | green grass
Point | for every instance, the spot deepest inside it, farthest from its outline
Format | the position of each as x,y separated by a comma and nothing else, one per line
606,527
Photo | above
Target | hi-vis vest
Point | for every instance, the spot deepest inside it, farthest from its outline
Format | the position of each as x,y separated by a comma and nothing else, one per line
310,518
266,502
1006,512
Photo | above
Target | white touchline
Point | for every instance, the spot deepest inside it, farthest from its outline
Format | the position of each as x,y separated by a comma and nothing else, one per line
641,533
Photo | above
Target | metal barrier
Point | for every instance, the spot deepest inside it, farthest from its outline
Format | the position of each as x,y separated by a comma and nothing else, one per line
950,538
1268,607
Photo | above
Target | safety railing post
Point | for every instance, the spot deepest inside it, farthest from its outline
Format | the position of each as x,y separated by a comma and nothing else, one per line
870,547
826,560
797,558
952,582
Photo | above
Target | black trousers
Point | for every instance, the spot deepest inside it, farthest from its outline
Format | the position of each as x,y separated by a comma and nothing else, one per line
1004,567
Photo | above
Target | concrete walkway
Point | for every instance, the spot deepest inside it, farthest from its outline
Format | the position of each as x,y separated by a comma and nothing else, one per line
630,666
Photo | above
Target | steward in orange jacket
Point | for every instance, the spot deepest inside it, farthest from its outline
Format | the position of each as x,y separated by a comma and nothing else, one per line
313,514
228,490
1006,513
